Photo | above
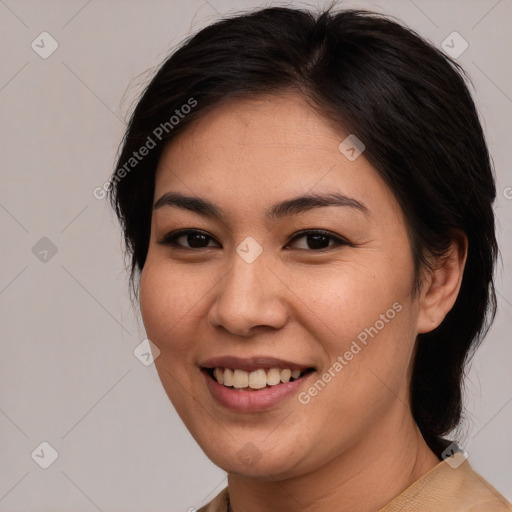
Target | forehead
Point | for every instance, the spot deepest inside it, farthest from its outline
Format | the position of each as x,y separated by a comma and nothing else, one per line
274,146
262,125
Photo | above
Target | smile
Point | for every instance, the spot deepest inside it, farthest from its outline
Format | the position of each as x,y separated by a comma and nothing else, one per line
255,380
246,385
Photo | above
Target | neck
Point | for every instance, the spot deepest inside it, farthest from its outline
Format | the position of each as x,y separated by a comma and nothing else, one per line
378,469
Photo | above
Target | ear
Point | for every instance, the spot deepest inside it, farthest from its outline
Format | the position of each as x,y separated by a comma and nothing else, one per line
441,286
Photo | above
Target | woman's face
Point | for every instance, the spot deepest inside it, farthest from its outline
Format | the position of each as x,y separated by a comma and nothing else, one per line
249,293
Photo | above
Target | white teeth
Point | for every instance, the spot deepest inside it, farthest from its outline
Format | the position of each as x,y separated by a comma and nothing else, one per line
240,379
285,375
228,377
273,376
219,375
257,379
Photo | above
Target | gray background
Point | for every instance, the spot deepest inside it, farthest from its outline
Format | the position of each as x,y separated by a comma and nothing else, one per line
68,375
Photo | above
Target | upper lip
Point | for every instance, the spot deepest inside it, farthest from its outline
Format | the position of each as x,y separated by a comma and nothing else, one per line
250,364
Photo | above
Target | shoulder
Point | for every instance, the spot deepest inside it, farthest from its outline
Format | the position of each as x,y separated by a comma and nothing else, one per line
452,486
218,504
480,493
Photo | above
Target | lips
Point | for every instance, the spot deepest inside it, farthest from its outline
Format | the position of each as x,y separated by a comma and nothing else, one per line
255,383
247,400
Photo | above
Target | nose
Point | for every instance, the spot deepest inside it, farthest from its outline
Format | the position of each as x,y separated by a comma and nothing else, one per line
250,297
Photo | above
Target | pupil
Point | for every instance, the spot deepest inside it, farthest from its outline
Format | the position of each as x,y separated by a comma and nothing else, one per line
315,244
191,237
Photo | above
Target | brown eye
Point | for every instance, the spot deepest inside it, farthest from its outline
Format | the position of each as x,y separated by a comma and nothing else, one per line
318,240
194,238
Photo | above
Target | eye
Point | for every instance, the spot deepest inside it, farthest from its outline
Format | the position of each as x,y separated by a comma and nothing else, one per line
195,238
318,240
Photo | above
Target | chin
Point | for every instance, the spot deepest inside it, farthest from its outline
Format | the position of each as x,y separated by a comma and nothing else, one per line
255,459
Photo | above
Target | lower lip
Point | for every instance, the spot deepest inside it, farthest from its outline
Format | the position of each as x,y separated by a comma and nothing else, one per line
252,401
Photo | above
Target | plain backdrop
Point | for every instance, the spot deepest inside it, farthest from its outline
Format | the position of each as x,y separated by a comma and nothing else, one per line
68,374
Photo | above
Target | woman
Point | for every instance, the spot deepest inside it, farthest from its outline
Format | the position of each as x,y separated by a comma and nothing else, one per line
307,201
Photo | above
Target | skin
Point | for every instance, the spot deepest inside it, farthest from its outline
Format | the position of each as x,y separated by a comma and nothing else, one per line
356,437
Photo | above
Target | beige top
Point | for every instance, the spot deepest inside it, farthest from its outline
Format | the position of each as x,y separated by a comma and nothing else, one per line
443,489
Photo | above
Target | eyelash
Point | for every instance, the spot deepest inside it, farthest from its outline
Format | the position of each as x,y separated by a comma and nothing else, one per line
170,239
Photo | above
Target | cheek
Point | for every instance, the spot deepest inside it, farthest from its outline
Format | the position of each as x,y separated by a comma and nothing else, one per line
367,345
153,302
362,313
351,295
166,302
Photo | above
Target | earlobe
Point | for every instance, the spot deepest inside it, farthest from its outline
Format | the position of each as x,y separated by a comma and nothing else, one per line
441,286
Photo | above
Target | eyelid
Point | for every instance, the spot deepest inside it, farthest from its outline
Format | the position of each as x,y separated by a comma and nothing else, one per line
170,238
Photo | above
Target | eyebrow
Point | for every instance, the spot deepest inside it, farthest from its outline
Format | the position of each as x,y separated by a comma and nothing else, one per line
279,210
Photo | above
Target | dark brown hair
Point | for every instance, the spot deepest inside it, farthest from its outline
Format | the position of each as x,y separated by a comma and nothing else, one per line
408,103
